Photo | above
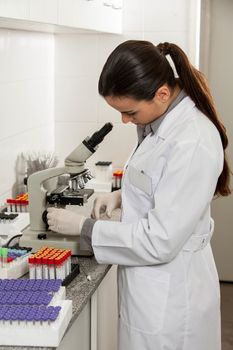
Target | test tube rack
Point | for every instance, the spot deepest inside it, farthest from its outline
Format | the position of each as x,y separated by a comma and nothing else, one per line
35,311
13,267
12,224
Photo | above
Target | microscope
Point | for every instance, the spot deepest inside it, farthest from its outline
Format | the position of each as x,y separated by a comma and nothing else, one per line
74,193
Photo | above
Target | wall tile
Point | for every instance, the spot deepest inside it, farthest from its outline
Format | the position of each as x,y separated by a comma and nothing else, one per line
76,55
107,113
25,55
76,99
25,105
37,139
132,16
165,15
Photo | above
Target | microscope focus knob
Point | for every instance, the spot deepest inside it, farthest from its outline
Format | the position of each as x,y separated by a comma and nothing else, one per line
44,217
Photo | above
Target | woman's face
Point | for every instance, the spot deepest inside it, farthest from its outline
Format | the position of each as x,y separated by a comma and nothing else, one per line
140,112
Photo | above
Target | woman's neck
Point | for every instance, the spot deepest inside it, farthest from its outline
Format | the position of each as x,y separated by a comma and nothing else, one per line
174,95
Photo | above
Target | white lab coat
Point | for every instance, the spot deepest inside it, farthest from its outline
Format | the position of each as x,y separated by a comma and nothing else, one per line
167,280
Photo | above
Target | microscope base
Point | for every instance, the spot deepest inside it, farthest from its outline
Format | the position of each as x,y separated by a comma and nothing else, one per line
53,239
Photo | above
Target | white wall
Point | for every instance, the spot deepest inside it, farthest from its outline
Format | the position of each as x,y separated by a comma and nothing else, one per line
26,99
79,110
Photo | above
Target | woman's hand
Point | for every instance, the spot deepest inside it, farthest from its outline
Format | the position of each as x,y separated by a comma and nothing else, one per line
105,204
65,221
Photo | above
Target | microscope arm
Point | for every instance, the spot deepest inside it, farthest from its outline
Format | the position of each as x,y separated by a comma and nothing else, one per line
77,158
37,194
87,147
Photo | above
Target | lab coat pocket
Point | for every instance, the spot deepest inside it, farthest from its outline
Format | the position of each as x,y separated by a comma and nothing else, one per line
144,301
140,180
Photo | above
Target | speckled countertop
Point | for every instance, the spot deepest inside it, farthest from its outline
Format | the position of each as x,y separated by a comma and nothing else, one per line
79,291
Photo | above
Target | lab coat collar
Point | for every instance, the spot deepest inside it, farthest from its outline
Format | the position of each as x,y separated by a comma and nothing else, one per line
175,117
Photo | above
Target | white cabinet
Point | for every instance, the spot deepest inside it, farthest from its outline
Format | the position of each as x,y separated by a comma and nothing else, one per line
78,337
96,326
98,15
14,9
107,312
62,15
110,15
104,314
45,11
79,13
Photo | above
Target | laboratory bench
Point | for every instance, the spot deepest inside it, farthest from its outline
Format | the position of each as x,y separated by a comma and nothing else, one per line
94,316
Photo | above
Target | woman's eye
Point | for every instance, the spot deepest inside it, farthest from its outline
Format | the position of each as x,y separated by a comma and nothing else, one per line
131,114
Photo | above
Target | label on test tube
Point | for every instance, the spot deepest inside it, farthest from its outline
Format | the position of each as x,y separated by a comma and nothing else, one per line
68,262
4,257
59,268
51,268
45,268
9,205
32,267
38,268
117,176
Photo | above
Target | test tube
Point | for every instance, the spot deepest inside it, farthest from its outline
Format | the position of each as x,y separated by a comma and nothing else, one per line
45,267
38,266
51,268
32,268
4,257
9,205
60,268
68,262
117,177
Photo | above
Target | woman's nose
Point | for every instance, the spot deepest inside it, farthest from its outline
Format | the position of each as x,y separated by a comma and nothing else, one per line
125,118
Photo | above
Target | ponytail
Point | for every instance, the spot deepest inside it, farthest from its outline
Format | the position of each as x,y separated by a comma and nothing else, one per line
195,85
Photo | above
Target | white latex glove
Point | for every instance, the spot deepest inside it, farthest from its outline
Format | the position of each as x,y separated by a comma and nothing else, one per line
105,204
65,221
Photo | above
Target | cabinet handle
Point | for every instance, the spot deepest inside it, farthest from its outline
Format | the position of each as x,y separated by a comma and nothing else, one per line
117,5
108,3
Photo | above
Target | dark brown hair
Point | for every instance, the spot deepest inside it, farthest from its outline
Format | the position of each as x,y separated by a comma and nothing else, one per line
137,68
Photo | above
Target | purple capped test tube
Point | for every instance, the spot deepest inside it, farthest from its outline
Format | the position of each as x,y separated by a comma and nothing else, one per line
3,310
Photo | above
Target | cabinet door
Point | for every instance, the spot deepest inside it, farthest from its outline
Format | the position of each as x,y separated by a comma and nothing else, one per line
79,13
45,11
107,313
78,337
111,16
91,14
18,9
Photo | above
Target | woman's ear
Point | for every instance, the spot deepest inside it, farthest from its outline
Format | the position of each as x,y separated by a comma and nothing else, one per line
163,94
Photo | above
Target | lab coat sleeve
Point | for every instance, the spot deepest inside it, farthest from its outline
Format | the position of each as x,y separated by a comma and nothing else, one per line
181,197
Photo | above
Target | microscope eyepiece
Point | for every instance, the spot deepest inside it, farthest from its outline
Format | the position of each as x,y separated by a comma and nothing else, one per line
98,136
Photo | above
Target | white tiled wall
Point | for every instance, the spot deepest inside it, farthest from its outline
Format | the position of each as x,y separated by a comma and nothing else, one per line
79,110
26,99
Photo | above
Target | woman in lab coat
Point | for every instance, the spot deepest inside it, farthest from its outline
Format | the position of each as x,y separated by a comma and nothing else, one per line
167,279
